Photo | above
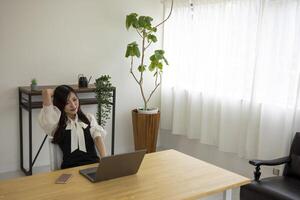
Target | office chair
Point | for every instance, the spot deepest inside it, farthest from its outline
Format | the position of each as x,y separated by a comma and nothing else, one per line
56,155
285,187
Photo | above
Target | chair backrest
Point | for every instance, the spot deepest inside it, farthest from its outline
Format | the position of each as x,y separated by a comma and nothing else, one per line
293,167
56,155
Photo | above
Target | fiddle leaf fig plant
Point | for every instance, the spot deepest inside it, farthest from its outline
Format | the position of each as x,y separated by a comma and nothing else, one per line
146,32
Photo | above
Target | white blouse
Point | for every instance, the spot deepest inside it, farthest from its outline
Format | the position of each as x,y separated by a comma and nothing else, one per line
49,118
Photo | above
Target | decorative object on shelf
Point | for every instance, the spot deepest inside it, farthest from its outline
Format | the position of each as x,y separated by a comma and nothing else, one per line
104,98
145,127
83,82
33,84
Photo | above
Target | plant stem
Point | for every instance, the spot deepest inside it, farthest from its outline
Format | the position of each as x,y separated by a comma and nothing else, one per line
142,64
148,45
156,77
143,55
167,17
138,33
131,71
156,86
143,95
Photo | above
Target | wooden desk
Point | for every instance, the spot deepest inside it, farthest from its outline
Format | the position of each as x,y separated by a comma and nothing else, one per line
162,175
26,102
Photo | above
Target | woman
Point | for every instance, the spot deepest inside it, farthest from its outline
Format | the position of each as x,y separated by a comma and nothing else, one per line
74,132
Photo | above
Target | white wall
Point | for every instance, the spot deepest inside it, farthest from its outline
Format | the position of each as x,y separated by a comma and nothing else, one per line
53,41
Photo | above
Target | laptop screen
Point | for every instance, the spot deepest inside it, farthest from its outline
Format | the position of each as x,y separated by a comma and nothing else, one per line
115,166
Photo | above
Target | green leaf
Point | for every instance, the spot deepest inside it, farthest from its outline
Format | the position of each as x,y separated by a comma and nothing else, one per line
132,50
142,22
127,54
131,20
160,66
142,68
129,51
151,67
145,22
151,38
161,52
152,58
135,24
136,51
158,56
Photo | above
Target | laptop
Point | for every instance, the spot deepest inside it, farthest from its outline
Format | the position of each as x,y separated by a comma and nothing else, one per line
115,166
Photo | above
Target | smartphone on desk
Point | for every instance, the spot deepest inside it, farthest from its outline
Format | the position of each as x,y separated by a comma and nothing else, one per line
64,178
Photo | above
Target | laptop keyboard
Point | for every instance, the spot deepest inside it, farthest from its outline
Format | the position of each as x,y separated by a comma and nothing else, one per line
92,175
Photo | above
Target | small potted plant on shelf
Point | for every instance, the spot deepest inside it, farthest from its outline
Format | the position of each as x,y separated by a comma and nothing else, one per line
145,120
33,85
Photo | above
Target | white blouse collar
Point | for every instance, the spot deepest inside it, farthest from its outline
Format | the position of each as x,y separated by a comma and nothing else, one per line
77,134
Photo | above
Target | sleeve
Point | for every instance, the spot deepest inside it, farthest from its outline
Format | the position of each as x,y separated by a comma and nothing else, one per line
49,118
96,130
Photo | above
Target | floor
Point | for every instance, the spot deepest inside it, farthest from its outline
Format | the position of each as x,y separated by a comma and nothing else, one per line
15,174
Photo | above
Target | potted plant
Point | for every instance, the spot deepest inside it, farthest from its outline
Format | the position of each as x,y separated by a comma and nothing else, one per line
104,98
33,85
145,120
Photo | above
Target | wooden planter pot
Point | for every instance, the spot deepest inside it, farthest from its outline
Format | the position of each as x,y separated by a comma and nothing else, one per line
145,130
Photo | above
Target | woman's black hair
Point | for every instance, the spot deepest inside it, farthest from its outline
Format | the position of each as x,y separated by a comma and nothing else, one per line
60,99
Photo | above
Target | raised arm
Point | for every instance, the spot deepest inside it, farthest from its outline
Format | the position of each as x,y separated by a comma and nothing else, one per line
47,96
50,114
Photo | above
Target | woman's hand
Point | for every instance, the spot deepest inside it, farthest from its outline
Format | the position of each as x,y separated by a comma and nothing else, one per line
47,96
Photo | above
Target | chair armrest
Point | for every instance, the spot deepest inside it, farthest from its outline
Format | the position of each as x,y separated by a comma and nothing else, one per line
273,162
258,163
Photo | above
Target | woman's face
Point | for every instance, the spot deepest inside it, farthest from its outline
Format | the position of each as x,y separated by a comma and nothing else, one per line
72,105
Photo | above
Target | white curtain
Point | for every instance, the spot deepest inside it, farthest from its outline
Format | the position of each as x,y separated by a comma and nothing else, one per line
233,79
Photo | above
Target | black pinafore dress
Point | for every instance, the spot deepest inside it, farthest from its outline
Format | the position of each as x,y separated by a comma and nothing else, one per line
77,157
